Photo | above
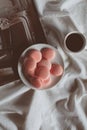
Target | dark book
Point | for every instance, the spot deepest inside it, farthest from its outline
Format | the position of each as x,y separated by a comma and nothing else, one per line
17,32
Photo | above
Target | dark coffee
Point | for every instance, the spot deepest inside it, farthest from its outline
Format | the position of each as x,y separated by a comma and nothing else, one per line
75,42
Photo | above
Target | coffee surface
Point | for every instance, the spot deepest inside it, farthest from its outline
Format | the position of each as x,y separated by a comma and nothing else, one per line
74,42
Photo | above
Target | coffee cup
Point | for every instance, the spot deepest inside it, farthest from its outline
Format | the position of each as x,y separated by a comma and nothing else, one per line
74,42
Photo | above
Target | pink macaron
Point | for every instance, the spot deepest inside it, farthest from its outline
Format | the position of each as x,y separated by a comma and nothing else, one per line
45,62
56,69
29,66
47,82
42,72
36,82
48,53
35,54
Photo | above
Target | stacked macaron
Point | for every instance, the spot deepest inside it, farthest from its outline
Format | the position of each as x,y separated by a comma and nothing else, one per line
39,67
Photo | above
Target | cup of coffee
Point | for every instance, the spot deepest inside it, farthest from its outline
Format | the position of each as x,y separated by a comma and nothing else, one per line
74,42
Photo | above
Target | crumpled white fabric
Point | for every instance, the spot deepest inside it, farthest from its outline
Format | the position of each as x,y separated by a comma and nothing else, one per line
64,106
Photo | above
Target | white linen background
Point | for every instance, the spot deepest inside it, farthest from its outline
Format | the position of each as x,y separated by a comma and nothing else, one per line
64,106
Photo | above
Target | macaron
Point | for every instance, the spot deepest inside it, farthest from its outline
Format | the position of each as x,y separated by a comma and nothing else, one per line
56,69
36,82
44,62
35,54
48,53
42,72
47,82
29,66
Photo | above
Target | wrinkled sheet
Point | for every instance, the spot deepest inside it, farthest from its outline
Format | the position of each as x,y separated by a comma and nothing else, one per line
63,107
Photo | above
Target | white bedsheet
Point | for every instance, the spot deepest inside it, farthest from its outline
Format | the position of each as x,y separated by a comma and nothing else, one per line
63,107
